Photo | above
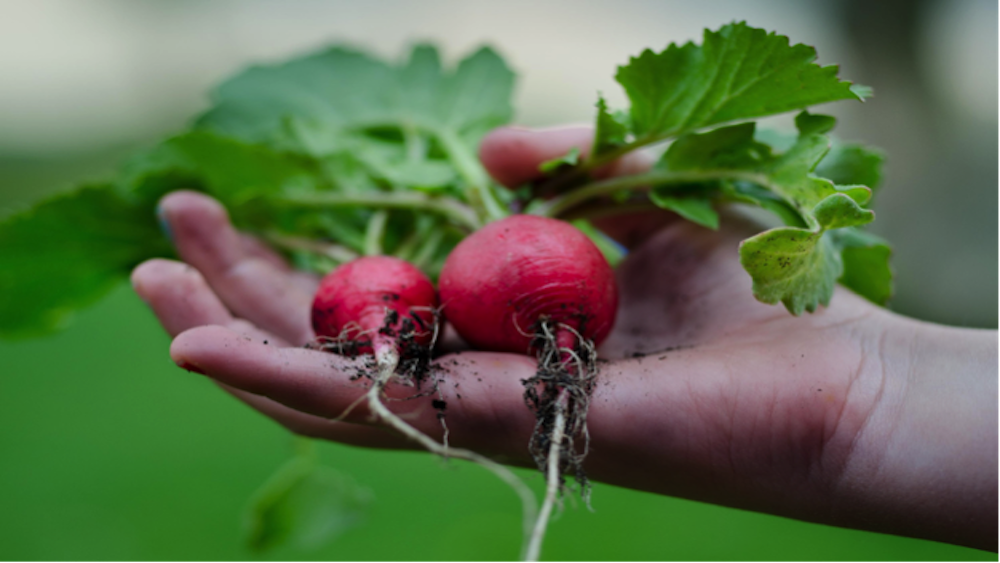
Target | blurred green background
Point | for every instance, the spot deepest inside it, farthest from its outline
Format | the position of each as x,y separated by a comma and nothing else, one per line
109,452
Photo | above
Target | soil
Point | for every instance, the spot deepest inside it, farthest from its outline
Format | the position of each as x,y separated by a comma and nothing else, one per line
563,382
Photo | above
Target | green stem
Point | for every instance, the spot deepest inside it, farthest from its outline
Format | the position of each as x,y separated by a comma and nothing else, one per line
560,205
480,192
426,251
335,252
556,185
416,146
410,245
613,155
457,212
375,232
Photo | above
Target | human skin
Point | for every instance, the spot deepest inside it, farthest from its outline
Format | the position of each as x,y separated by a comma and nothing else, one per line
852,416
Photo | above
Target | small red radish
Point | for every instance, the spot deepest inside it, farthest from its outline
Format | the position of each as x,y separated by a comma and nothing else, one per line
387,306
373,301
498,283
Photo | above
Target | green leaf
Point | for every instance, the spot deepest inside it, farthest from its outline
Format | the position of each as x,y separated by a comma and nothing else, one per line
68,251
844,164
341,89
784,181
791,174
796,267
866,264
476,98
852,163
725,148
838,211
814,124
752,194
799,267
304,505
611,131
696,209
738,73
230,170
321,104
571,158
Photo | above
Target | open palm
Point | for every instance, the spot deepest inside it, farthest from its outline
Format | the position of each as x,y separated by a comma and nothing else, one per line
709,394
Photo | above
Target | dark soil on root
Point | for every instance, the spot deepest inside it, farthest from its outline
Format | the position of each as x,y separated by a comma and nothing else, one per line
414,358
565,383
343,347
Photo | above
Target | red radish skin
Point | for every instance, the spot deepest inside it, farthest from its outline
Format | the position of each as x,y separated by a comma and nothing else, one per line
500,281
354,299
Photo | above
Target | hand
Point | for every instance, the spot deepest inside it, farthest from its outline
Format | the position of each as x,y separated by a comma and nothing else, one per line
851,416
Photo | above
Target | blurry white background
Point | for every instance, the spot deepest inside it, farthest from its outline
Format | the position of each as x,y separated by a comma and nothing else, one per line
83,81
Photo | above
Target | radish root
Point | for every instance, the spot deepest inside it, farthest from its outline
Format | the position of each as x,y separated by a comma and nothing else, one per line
559,393
553,481
387,360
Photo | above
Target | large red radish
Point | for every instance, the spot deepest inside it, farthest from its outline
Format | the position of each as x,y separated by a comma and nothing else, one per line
530,284
501,281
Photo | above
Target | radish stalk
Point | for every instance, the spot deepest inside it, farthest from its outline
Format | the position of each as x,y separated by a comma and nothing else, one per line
455,211
375,232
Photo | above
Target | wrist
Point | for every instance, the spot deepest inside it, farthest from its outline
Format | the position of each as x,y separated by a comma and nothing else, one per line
925,462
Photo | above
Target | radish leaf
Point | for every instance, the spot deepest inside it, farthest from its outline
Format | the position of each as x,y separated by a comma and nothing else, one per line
611,130
571,158
852,163
739,72
695,209
799,267
866,264
341,89
67,252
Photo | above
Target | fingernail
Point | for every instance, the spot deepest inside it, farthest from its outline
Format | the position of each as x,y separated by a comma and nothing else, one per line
161,218
190,367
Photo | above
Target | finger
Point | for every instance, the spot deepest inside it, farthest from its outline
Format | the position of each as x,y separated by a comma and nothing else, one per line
180,299
319,427
251,286
178,295
512,155
253,247
482,393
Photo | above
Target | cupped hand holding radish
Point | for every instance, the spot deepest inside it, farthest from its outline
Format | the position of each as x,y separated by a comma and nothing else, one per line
706,395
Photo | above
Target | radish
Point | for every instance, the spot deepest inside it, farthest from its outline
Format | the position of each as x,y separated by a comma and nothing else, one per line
531,284
500,282
376,304
387,307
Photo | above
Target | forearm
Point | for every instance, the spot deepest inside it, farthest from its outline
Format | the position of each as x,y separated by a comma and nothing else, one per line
925,464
